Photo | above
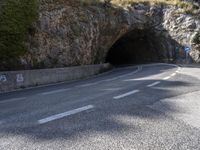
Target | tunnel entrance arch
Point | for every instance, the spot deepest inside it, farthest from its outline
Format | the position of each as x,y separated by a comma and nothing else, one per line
139,46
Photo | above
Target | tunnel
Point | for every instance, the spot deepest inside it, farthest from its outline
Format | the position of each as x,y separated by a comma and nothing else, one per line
138,47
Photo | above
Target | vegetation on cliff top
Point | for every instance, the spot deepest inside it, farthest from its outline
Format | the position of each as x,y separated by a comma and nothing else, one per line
16,18
185,5
169,2
125,2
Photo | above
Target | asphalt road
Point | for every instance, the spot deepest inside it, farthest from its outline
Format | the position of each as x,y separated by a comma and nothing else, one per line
145,107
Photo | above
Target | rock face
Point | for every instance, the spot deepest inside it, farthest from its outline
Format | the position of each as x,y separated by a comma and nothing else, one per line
69,33
182,28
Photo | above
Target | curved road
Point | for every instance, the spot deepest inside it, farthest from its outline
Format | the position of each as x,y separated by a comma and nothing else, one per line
145,107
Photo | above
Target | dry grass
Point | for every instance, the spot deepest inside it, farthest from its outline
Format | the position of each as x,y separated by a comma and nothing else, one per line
152,2
186,6
179,3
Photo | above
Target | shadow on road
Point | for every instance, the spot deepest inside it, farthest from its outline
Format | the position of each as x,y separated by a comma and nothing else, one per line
109,116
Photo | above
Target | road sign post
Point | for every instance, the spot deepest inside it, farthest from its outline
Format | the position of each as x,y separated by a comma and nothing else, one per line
187,50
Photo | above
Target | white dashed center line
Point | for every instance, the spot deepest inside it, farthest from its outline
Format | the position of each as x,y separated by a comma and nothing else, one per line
65,114
153,84
126,94
88,84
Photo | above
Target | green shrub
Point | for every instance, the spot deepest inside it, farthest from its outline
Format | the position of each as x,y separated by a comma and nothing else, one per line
16,18
90,2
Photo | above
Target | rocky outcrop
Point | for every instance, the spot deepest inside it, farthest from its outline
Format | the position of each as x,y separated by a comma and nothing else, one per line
195,53
69,33
182,28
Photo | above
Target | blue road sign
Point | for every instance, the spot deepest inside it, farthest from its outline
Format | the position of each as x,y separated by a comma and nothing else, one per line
186,49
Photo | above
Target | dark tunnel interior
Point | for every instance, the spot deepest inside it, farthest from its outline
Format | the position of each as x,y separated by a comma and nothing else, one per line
136,47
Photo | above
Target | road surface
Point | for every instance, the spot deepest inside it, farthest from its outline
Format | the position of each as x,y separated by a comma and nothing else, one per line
145,107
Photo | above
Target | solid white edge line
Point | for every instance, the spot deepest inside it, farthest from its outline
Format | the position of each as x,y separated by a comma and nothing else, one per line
65,114
111,79
153,84
173,74
166,78
12,100
55,91
139,68
156,64
126,94
86,85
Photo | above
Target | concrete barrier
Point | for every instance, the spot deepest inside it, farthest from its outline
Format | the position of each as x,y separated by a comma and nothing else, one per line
12,80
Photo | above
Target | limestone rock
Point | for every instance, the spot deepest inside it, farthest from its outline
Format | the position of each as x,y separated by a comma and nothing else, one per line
68,33
195,53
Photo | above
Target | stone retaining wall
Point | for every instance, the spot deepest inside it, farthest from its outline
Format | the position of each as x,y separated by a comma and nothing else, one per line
12,80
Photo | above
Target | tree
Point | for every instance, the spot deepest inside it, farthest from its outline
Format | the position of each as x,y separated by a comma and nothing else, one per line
16,17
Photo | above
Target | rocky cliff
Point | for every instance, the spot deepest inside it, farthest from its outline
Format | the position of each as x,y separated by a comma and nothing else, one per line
74,32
